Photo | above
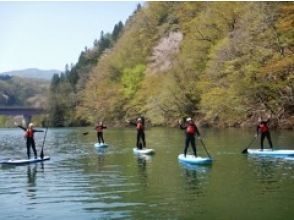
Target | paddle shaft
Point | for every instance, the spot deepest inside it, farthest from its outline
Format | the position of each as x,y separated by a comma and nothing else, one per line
249,145
205,148
42,150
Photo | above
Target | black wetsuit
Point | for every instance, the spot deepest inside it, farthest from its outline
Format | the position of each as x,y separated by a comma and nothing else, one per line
30,141
140,134
99,129
190,137
263,129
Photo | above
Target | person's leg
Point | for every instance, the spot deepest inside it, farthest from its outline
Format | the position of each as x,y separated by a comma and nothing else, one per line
186,144
269,139
140,146
138,140
143,139
28,148
98,137
262,136
34,148
193,145
102,139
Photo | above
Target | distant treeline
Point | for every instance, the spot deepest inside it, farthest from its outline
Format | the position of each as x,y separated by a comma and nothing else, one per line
224,63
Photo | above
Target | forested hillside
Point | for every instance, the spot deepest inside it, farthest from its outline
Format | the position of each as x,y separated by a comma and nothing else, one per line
224,63
16,91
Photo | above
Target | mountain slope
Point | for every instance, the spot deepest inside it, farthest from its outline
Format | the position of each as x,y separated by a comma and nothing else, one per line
228,64
32,73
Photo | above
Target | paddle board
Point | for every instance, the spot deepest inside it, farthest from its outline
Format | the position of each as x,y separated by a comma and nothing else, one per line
101,145
143,151
24,161
270,152
191,159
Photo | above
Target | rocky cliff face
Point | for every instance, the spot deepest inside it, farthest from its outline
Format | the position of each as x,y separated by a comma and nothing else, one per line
163,53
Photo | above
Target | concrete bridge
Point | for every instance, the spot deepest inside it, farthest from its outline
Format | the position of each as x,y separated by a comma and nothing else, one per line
26,112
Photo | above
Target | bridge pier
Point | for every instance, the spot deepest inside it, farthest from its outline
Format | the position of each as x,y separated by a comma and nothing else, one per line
26,120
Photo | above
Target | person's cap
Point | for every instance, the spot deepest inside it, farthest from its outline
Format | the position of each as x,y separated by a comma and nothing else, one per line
189,119
139,119
31,125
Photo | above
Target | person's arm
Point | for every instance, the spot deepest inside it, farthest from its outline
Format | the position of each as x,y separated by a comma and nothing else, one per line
257,130
104,127
35,130
19,126
132,123
182,126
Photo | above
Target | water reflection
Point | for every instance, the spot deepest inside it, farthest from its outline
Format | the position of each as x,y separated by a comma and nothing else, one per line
269,172
195,176
100,151
32,171
142,162
101,159
31,181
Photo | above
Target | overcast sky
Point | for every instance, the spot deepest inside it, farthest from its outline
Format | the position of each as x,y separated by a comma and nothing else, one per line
48,35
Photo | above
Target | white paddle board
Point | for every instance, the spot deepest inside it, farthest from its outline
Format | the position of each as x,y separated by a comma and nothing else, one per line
24,161
270,152
101,145
191,159
143,151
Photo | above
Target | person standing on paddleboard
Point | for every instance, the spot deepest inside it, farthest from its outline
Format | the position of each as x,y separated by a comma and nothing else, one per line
191,131
29,135
99,128
140,125
263,130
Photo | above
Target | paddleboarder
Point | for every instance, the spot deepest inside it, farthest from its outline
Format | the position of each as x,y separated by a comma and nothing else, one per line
191,131
99,128
263,130
140,125
29,135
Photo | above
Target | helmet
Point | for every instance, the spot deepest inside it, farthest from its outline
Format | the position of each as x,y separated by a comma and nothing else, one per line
31,125
139,119
189,119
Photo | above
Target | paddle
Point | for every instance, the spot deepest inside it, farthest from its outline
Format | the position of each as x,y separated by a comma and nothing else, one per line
85,133
205,148
42,150
252,141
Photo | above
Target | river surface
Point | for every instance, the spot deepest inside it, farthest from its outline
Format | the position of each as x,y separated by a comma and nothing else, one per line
80,182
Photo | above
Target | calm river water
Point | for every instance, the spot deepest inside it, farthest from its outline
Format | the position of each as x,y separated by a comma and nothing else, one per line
80,182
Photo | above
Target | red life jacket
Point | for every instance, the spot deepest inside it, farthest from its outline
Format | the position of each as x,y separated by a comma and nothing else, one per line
29,133
140,126
191,129
99,128
263,128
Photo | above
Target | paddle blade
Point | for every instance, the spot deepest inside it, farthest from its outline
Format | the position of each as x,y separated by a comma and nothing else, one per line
85,133
245,151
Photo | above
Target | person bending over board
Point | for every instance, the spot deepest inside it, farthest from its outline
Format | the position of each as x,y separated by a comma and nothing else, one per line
263,130
29,135
99,128
140,125
191,130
